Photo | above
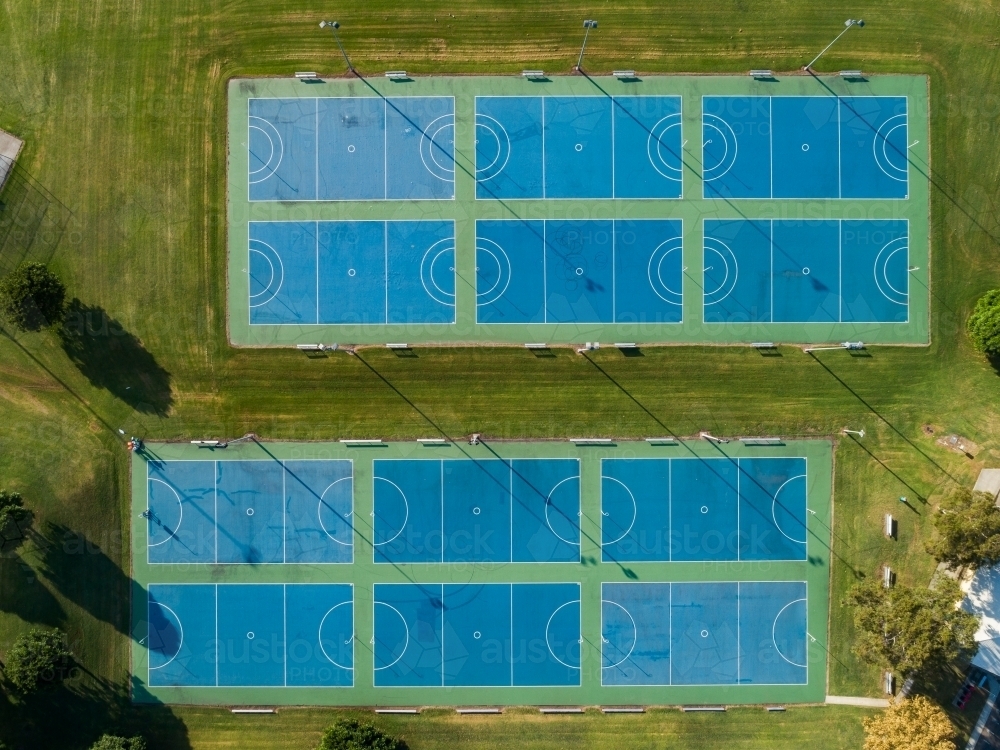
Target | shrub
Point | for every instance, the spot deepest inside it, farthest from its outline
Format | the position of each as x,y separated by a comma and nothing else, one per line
38,659
983,324
350,734
32,297
114,742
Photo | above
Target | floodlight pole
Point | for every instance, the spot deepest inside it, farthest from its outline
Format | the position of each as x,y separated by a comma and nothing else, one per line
848,23
333,26
588,25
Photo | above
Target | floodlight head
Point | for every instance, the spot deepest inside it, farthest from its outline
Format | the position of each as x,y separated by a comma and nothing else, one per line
331,24
589,24
852,22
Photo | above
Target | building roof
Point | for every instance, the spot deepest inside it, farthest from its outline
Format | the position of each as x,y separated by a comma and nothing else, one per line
982,598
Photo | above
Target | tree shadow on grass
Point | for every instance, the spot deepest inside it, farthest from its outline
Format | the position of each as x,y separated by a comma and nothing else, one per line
76,713
83,572
115,359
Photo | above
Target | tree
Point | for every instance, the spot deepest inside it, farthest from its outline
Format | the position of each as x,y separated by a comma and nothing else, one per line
912,724
906,629
38,659
114,742
350,734
983,324
12,515
968,529
32,297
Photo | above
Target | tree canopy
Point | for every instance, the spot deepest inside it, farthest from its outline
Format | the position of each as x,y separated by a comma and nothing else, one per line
350,734
38,659
983,324
114,742
32,297
909,628
968,530
912,724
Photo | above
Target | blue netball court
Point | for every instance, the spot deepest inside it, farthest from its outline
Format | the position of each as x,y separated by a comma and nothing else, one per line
251,635
351,148
702,509
732,633
587,271
578,147
351,272
249,512
777,271
477,635
461,510
805,147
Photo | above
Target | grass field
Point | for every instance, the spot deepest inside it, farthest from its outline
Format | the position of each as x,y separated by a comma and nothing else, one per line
121,106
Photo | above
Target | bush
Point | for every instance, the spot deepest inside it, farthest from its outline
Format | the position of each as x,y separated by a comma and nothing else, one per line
114,742
32,297
349,734
983,324
38,659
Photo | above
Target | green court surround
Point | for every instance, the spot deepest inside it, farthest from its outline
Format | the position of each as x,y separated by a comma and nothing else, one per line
590,572
692,210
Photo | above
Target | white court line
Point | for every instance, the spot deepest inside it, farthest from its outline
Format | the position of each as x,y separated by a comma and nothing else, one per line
543,148
180,505
545,268
635,633
180,625
406,644
612,166
284,626
406,504
635,509
774,503
385,160
319,508
774,640
217,629
739,628
385,239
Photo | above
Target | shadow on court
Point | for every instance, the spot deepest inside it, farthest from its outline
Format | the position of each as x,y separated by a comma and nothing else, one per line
82,572
78,712
114,359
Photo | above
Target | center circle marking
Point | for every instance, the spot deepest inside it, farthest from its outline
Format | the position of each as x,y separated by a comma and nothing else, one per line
351,272
249,511
805,271
350,149
704,509
704,634
250,635
805,146
477,635
578,147
476,511
579,272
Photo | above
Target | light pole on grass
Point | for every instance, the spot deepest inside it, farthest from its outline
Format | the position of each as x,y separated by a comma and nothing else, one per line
333,26
588,25
849,23
860,433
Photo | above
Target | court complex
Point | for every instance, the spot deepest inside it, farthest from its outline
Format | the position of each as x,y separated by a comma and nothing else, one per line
506,210
500,574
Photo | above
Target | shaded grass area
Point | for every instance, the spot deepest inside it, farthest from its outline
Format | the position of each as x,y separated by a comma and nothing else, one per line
122,111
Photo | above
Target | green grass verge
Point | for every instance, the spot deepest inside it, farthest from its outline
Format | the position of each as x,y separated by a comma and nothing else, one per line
123,114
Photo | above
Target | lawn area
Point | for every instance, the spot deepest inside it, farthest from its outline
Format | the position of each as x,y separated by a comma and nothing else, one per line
122,107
